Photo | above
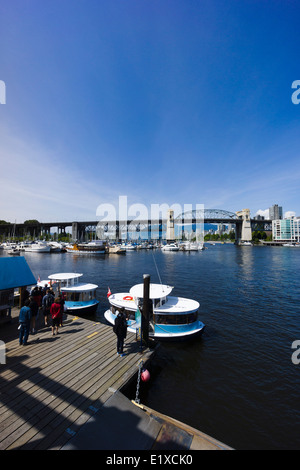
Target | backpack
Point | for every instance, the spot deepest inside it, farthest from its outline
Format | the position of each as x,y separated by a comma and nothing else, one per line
48,301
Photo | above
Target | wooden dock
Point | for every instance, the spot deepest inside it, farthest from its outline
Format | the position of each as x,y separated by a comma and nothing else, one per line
50,388
64,392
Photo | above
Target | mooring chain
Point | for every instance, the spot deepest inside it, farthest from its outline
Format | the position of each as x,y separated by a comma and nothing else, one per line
137,400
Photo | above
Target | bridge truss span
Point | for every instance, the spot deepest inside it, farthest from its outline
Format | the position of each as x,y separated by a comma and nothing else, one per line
207,216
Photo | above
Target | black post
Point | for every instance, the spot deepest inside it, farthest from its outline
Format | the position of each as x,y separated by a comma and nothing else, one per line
146,309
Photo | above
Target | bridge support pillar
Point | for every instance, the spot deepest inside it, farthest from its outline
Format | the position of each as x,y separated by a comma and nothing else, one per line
170,235
245,233
74,231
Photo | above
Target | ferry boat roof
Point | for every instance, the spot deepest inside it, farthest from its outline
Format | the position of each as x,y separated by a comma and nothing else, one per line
173,305
64,276
80,287
157,291
177,305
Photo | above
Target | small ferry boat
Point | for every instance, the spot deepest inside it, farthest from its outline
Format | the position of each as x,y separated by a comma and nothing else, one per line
173,318
80,297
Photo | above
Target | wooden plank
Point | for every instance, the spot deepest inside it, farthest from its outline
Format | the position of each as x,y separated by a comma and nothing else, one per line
57,383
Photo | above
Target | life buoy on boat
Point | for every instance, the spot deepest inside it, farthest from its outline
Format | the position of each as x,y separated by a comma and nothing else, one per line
127,297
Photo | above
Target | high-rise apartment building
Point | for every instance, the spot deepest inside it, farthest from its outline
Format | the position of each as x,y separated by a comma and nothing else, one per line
286,230
275,212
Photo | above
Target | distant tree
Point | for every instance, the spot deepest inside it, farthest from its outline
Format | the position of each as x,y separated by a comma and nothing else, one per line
31,222
232,235
4,222
258,235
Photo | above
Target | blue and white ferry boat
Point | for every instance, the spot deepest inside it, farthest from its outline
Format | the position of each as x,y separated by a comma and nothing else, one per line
173,318
80,297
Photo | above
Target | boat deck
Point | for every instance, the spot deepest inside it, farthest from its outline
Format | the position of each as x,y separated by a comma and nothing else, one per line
54,385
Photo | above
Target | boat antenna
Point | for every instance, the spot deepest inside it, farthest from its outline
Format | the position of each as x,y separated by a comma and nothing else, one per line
156,268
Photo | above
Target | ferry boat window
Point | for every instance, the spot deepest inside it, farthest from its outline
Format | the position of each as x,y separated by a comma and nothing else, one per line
129,313
92,295
159,302
89,295
176,319
73,296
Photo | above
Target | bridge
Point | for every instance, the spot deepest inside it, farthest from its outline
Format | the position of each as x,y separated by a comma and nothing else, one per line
144,228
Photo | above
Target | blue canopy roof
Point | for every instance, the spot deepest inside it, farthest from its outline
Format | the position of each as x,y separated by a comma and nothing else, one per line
15,272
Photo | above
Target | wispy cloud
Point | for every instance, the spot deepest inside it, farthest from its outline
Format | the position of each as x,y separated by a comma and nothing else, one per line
39,183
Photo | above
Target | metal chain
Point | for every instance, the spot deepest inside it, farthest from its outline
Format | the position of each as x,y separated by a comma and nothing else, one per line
137,400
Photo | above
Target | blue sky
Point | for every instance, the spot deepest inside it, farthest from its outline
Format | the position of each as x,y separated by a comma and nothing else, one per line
164,101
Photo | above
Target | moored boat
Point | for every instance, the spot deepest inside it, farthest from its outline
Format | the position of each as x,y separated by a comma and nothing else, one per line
56,247
170,247
37,247
172,318
130,247
13,252
191,246
97,246
80,297
116,249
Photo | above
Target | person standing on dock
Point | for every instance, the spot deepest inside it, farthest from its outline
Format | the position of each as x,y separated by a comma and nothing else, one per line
24,321
34,313
62,308
48,300
55,312
120,329
37,295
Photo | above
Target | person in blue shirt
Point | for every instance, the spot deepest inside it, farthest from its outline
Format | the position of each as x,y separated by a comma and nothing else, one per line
24,321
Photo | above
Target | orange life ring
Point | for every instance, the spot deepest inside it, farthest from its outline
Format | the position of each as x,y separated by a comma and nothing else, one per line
127,297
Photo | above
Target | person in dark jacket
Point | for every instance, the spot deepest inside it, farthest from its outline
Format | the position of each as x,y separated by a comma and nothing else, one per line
48,300
120,329
24,321
34,313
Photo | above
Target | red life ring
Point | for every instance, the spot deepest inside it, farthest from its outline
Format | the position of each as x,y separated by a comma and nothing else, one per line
127,297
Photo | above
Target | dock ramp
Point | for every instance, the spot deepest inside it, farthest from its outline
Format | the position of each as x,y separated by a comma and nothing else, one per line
122,425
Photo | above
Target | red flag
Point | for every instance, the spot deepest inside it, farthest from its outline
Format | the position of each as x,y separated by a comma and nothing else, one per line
108,293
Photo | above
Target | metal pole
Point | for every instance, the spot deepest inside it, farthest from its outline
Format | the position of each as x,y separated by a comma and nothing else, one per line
146,309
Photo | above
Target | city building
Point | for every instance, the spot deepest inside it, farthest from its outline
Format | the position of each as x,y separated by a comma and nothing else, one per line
275,212
286,230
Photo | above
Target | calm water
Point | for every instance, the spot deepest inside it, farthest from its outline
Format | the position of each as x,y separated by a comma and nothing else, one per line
237,383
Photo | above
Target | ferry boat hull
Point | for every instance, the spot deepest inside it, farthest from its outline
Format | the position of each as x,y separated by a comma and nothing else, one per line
81,308
172,318
161,333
